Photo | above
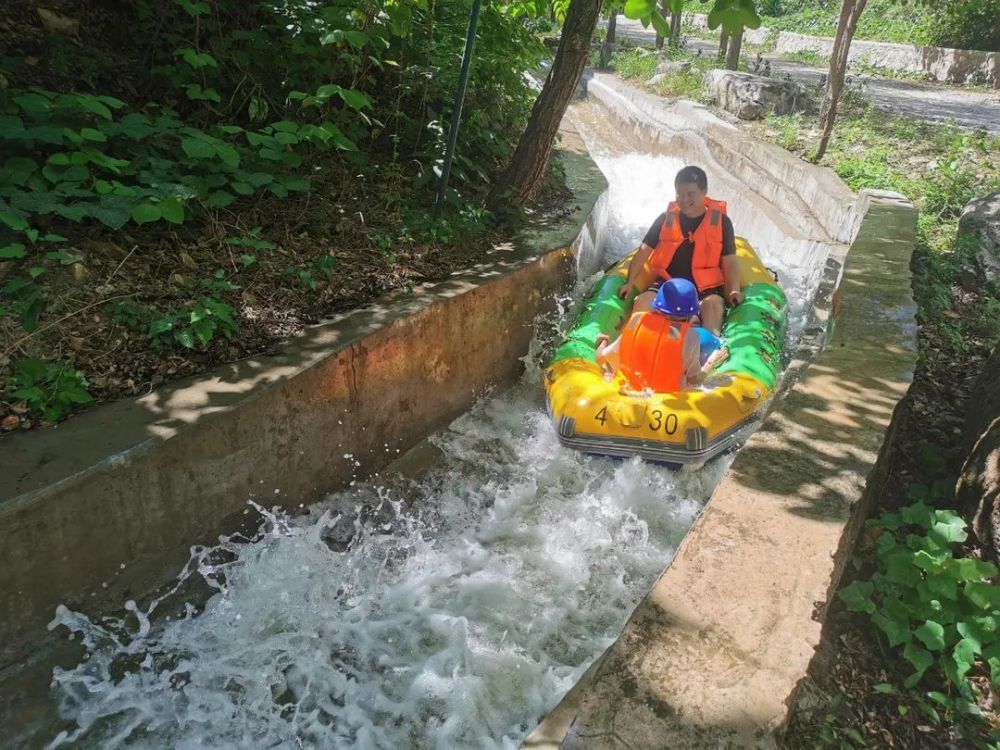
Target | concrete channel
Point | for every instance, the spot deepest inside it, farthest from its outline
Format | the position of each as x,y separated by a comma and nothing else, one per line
713,655
106,507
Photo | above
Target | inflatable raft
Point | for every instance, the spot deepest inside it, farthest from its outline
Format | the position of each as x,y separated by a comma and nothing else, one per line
597,415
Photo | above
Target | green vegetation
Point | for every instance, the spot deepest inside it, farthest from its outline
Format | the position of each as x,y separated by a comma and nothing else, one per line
965,25
50,387
640,64
934,606
939,608
178,125
939,168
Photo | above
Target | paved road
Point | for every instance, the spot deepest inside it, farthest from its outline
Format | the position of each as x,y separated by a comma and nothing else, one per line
937,103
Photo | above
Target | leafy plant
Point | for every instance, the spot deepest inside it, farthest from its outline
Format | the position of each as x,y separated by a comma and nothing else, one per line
53,388
937,607
196,324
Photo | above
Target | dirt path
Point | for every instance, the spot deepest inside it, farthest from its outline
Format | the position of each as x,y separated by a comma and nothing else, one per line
934,102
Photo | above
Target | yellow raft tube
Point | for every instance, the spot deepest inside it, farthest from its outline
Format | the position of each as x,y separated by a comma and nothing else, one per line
598,415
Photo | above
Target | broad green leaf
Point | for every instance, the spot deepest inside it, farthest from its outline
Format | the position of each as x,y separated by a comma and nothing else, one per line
968,569
885,688
172,210
942,585
197,148
948,528
219,199
228,154
896,630
13,220
921,660
111,101
198,59
33,103
91,134
11,127
661,25
145,213
857,596
95,105
13,250
356,39
983,595
931,634
158,326
185,339
639,8
918,514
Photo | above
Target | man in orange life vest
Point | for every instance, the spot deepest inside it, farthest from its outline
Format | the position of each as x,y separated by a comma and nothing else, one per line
659,349
693,239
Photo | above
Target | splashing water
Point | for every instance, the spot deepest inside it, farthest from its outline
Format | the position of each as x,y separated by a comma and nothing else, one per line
449,610
462,607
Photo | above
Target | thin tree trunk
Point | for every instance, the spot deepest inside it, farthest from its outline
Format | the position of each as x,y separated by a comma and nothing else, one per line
659,38
850,11
723,45
733,55
531,158
609,39
675,30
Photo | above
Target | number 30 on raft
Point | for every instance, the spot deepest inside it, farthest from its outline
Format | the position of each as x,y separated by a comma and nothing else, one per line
668,424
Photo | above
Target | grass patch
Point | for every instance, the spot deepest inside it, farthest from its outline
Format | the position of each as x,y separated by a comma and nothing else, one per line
635,63
940,169
807,56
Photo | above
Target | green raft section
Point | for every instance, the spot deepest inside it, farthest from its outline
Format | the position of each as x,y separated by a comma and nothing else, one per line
754,331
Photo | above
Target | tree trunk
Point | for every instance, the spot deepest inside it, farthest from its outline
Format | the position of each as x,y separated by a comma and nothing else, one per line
733,55
675,30
659,38
531,158
609,39
850,11
723,45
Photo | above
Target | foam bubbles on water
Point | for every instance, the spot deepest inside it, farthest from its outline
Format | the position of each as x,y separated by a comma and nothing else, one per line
460,609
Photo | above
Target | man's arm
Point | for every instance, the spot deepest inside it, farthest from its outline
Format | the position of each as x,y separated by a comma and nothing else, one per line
734,285
639,275
730,265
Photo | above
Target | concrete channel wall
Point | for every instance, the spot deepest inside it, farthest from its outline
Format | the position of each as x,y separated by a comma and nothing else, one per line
713,656
106,506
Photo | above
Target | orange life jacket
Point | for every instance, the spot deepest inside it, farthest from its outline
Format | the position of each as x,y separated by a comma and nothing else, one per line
706,261
652,352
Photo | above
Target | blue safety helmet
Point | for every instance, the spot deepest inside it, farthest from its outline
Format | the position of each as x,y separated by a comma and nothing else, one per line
677,297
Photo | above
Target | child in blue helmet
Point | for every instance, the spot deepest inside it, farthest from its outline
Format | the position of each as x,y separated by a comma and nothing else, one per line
639,351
